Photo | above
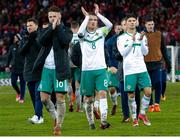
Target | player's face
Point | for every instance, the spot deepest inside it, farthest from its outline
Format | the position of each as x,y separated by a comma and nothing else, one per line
93,22
117,29
131,23
54,15
31,26
123,25
150,26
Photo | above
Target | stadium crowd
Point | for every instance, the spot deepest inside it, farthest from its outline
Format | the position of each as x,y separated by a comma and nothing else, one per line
14,14
136,51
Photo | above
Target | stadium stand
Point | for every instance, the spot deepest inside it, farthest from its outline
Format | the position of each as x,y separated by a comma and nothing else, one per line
14,13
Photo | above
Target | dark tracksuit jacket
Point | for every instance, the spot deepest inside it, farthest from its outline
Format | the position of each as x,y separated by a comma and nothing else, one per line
15,59
59,39
30,49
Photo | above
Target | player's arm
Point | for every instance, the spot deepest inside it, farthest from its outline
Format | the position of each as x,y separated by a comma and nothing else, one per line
165,54
24,46
64,35
115,52
144,46
46,36
83,26
108,24
124,49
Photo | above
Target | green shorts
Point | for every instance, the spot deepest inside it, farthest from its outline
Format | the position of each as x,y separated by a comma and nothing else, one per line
93,80
76,74
49,82
142,80
112,79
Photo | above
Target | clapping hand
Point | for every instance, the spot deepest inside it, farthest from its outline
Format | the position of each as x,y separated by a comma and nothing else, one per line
96,10
85,13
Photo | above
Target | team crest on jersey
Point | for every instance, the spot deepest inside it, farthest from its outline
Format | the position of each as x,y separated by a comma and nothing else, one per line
128,87
96,34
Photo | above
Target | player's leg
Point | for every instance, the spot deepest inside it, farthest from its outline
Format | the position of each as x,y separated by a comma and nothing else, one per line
124,103
164,77
96,105
102,87
88,89
130,82
22,88
144,83
46,88
15,86
157,78
77,89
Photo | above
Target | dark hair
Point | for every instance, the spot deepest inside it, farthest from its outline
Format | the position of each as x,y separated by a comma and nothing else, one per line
33,20
123,19
92,13
148,18
74,24
116,24
130,15
54,9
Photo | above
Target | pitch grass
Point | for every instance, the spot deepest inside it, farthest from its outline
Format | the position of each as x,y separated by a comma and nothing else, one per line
13,119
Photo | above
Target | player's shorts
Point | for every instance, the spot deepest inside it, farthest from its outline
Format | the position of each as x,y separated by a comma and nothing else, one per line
112,79
142,80
49,82
93,80
76,73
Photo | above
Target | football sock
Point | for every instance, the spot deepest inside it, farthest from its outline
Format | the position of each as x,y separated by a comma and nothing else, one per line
78,97
144,104
114,98
50,108
89,111
132,107
96,105
103,109
61,109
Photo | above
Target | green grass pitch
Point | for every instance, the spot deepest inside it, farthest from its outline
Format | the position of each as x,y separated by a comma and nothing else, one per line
13,119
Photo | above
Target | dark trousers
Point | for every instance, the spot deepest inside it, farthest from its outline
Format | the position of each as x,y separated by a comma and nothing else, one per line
156,80
22,89
124,100
164,77
35,97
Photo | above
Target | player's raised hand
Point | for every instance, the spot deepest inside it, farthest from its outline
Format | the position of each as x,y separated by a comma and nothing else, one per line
54,23
96,10
84,11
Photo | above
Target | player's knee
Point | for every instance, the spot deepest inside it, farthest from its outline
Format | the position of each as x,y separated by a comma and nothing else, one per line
102,94
60,97
131,95
44,100
60,101
89,100
112,90
147,91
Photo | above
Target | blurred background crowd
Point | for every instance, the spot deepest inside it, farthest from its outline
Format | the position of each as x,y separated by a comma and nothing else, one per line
14,13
